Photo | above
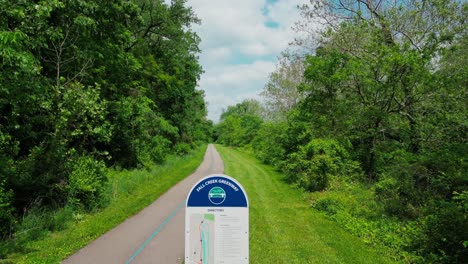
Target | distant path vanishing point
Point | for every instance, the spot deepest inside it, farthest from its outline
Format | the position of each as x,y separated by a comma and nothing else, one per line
154,235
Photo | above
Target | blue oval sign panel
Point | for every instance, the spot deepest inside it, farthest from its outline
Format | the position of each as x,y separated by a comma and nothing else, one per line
217,222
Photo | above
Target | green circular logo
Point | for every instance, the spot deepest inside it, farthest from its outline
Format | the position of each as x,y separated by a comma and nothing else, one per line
217,195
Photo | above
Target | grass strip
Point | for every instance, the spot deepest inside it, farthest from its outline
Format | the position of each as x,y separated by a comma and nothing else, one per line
130,192
283,226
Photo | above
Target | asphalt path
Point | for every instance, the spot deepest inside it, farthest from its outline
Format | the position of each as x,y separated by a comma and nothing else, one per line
154,235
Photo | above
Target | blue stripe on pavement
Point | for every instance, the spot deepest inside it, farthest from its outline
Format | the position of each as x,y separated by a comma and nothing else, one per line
155,233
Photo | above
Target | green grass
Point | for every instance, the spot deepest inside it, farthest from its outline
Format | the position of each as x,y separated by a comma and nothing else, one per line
283,226
353,206
129,192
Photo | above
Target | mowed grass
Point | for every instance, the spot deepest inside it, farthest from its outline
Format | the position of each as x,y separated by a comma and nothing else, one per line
283,226
129,192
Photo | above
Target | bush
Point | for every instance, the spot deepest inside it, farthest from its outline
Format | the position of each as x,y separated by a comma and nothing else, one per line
140,135
267,145
430,188
86,182
313,165
182,149
354,207
160,148
444,232
6,210
317,174
328,205
39,178
154,151
404,185
81,121
387,192
409,181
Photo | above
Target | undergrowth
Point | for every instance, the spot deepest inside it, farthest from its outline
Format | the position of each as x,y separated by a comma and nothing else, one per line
67,229
354,207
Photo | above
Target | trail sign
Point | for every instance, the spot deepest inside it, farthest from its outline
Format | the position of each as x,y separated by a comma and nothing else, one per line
217,222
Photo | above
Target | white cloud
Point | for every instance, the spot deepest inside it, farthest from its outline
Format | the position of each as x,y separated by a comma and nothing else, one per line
230,84
216,55
238,49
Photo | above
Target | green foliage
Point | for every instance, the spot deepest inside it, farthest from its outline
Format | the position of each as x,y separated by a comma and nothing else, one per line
86,182
352,205
158,149
228,131
85,83
268,143
68,229
238,130
37,179
245,108
39,222
182,149
6,210
310,237
141,136
401,187
80,121
444,231
240,124
6,195
395,97
313,165
410,181
328,205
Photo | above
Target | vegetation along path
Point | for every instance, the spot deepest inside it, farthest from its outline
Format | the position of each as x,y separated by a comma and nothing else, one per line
284,229
156,234
283,226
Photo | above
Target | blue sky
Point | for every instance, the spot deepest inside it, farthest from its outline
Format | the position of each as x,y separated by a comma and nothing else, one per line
241,41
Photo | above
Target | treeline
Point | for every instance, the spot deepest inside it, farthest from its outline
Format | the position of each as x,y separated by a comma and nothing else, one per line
381,103
86,85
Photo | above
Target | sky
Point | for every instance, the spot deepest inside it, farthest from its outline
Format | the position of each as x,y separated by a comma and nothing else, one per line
240,42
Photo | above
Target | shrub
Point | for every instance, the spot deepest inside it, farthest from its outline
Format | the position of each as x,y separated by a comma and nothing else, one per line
140,135
267,145
313,165
154,151
86,182
317,174
160,148
444,231
182,149
6,210
429,187
404,184
328,205
387,192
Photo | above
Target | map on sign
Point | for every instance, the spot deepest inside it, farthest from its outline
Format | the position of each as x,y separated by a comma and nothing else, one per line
202,242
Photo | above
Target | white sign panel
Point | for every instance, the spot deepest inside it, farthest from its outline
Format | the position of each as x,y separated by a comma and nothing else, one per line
217,222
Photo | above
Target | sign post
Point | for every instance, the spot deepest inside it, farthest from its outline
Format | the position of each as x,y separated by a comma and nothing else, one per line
217,222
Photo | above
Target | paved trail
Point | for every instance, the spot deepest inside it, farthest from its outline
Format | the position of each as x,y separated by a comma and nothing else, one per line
156,234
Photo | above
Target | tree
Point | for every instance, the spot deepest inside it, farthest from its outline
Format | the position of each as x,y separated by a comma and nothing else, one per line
380,79
168,49
240,123
281,92
89,83
246,107
386,67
